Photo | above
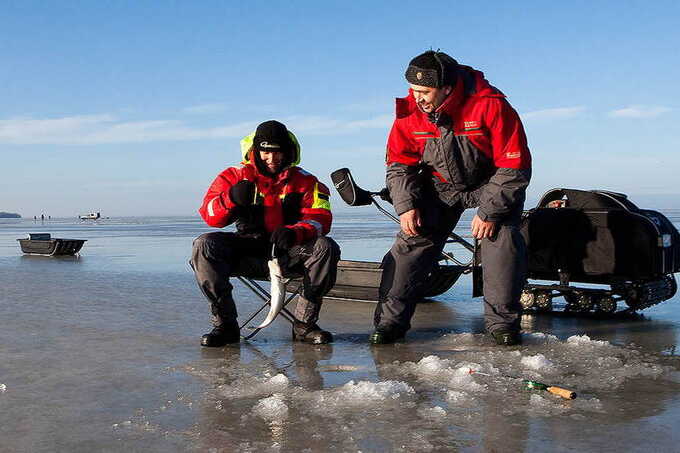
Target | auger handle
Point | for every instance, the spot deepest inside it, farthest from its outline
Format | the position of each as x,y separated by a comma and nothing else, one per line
559,391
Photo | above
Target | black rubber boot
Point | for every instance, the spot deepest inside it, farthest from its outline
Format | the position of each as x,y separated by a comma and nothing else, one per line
386,335
310,333
221,335
506,337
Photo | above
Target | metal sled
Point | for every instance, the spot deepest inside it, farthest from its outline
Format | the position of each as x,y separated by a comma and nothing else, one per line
448,269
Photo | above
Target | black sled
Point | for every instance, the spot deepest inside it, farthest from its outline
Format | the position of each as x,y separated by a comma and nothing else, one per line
599,238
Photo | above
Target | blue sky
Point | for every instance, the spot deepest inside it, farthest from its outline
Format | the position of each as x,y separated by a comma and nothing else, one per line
132,108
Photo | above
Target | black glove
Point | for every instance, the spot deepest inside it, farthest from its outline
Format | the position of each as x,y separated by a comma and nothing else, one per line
242,193
283,238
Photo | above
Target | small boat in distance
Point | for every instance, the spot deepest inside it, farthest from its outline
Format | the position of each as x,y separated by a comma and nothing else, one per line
90,216
44,244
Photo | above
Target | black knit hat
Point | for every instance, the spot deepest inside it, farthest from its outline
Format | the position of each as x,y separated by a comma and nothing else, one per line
432,69
272,136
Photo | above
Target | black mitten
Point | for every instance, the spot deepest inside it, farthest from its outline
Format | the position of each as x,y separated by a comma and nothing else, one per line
283,238
242,193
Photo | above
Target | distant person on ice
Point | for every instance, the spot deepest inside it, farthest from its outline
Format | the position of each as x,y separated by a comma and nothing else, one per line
273,203
456,143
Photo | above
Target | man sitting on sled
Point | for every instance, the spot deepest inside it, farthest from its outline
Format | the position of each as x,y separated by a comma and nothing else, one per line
275,204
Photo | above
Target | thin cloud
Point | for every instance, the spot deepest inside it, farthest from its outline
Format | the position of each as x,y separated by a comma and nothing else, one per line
107,129
640,111
205,109
368,106
319,125
556,113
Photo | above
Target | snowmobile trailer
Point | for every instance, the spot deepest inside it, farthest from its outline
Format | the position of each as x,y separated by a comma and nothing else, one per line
601,238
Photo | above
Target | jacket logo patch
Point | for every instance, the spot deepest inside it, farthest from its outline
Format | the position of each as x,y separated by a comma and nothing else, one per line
513,155
470,125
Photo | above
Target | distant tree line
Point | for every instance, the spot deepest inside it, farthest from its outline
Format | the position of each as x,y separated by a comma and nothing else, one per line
9,215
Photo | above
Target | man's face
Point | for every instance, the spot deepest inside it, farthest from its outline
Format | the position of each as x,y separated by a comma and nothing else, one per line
429,99
272,159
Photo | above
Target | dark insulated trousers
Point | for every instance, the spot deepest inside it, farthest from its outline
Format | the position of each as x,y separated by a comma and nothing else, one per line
410,260
217,255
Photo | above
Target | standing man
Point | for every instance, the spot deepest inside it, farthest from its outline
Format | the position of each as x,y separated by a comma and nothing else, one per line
456,143
275,204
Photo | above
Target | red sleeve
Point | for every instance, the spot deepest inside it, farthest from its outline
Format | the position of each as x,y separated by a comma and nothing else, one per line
508,140
400,148
217,206
316,213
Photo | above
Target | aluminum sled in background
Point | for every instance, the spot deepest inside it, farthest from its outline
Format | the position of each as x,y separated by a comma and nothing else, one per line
44,244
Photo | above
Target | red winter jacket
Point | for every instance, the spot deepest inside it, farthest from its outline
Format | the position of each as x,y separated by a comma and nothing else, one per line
293,198
476,150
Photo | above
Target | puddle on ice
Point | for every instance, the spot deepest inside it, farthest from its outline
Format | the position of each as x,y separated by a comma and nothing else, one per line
426,404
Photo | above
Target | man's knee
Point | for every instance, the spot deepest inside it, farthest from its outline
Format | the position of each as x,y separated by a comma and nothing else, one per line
211,245
327,248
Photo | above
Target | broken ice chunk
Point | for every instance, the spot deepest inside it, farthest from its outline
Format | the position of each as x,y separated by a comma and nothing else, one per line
538,362
434,413
273,408
584,340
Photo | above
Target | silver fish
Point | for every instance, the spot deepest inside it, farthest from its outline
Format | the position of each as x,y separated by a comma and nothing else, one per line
278,291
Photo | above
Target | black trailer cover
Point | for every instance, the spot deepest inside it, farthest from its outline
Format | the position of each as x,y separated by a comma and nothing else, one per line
598,237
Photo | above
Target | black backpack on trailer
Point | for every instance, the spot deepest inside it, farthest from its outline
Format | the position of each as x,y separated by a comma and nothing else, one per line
600,237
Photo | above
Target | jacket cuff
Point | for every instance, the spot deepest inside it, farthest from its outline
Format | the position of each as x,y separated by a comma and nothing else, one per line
404,206
483,215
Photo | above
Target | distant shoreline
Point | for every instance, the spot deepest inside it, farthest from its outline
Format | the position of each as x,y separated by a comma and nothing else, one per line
9,215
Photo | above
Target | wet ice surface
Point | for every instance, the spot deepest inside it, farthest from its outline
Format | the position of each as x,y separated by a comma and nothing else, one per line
102,353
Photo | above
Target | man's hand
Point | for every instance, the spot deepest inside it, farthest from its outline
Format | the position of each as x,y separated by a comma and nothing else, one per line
482,229
410,222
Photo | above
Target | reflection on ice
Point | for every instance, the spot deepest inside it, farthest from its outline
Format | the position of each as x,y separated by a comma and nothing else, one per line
248,386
